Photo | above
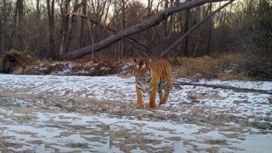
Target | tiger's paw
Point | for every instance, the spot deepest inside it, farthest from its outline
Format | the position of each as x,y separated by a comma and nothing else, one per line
152,106
162,103
140,106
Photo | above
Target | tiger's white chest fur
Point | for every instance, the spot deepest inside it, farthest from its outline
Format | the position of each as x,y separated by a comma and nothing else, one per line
144,86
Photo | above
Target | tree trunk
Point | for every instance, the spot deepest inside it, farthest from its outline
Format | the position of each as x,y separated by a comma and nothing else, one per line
148,32
154,20
38,12
19,12
73,24
2,31
123,43
18,20
83,20
65,33
209,32
186,28
50,12
165,24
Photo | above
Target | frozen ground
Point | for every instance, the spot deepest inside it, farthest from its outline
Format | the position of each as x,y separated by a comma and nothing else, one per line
98,114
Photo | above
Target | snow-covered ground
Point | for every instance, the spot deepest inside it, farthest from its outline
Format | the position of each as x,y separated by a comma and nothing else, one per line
98,114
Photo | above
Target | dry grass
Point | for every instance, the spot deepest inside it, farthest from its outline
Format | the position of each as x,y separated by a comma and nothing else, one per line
226,67
194,67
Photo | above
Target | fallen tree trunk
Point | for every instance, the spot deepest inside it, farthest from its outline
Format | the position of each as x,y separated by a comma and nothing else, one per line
152,21
178,84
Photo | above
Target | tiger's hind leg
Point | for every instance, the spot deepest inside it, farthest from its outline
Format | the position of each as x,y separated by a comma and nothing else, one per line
164,98
160,92
166,87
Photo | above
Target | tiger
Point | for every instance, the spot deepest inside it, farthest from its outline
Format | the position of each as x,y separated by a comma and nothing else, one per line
152,77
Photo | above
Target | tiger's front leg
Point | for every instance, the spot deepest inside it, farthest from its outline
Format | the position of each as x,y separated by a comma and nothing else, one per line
140,103
152,98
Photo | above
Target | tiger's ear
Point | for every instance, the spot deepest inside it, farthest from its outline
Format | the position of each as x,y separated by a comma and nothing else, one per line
136,63
146,60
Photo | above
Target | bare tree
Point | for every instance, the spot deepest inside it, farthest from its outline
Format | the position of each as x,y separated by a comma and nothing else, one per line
50,12
209,32
186,28
84,13
165,22
18,20
154,20
65,32
19,13
2,26
123,43
38,11
73,28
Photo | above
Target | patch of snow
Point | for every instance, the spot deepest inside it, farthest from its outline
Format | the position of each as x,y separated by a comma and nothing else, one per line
55,128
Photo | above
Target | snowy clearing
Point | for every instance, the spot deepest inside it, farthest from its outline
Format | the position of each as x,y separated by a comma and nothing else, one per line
98,114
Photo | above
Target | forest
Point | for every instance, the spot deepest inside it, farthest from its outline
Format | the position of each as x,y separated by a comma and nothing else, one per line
54,28
218,39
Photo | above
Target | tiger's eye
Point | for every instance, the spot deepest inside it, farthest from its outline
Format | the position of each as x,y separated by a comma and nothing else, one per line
144,66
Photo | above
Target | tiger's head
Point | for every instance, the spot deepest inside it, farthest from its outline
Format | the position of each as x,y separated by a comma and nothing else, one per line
142,70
